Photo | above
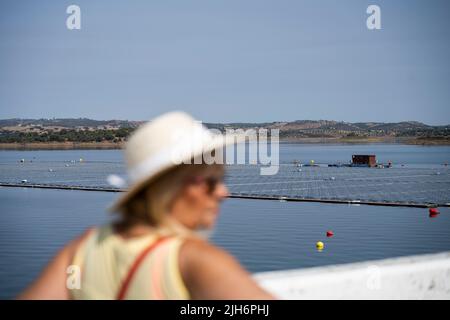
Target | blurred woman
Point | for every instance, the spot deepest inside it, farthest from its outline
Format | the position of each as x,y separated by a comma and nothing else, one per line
156,248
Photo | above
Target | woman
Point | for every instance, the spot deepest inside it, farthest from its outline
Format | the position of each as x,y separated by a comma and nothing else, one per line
155,249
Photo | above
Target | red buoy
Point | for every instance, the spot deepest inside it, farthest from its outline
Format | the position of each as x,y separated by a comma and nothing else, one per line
330,233
433,212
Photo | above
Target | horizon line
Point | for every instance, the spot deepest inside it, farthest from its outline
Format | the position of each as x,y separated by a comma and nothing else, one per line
237,122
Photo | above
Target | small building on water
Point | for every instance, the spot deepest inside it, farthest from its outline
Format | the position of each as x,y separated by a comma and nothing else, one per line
364,160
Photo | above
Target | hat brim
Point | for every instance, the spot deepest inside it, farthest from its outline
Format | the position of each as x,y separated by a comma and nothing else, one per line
216,142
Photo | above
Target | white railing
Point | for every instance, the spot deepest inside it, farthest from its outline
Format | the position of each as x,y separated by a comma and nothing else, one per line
413,277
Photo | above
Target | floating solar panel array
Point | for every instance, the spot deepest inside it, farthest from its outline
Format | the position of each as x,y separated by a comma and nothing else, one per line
352,184
401,185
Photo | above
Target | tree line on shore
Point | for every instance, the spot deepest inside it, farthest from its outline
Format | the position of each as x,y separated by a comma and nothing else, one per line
119,135
84,130
66,135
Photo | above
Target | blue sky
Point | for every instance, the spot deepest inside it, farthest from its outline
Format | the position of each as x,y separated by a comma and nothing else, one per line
226,61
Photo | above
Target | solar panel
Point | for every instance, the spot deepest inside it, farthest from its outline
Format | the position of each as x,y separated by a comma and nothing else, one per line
422,186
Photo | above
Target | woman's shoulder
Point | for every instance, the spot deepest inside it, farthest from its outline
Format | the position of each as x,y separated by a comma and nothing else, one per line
212,273
71,248
195,249
198,254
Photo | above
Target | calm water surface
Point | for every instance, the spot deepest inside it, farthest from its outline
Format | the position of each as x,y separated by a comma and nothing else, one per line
263,235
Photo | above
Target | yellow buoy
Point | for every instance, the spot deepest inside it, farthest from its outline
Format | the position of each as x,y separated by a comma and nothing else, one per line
319,245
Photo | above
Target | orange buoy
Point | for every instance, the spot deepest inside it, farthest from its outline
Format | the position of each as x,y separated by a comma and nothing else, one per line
330,233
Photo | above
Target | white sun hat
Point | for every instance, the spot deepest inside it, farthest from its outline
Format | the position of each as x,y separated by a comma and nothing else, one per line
163,143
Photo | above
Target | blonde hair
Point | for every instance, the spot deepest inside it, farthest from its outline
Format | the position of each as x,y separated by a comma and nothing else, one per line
154,201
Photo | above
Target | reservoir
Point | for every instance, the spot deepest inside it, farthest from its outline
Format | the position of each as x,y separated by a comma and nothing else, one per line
263,235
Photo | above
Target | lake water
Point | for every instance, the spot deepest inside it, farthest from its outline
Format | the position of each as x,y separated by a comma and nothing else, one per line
263,235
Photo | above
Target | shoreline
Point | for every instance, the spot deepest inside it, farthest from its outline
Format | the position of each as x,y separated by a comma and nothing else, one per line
119,145
61,146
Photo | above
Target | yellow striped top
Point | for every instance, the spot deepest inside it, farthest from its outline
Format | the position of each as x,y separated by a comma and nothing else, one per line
104,259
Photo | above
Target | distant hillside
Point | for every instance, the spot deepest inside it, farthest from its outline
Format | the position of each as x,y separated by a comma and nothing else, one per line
116,131
327,128
67,123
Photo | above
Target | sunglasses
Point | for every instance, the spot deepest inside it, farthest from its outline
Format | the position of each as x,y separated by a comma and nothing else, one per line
211,182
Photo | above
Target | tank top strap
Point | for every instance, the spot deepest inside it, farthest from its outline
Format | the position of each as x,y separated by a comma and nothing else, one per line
159,275
136,264
105,261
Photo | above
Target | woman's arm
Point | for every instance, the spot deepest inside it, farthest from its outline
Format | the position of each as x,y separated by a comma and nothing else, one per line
51,283
212,273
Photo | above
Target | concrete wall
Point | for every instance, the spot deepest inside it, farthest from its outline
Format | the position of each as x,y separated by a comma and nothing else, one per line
414,277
